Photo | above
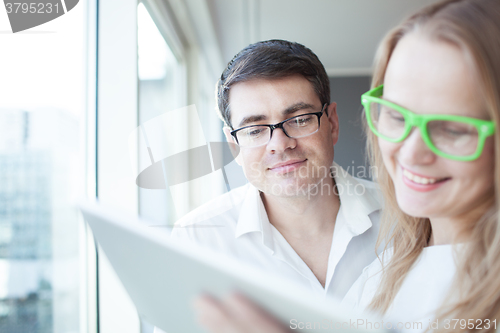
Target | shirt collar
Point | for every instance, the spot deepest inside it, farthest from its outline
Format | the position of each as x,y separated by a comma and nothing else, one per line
253,217
356,199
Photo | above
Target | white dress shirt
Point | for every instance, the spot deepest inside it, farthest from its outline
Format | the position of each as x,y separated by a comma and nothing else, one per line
236,223
423,291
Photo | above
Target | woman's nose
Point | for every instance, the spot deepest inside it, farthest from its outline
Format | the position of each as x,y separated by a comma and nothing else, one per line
414,151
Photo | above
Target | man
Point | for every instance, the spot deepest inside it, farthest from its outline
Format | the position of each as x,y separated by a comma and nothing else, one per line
301,216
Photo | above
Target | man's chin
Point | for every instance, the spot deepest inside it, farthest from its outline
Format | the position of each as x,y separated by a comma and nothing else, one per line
292,190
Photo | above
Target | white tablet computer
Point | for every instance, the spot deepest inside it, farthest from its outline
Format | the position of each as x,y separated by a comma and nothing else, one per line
163,277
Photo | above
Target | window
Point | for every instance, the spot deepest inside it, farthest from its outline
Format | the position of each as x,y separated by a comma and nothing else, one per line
42,158
170,123
161,89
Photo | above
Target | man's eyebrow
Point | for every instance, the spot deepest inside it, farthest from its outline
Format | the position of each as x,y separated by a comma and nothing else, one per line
251,119
288,111
297,107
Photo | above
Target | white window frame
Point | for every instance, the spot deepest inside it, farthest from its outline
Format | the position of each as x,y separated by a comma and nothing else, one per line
116,119
187,28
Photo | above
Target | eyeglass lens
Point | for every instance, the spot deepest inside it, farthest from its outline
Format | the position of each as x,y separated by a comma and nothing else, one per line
450,137
295,127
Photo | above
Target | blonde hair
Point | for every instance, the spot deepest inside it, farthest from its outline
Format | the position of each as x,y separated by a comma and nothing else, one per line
474,26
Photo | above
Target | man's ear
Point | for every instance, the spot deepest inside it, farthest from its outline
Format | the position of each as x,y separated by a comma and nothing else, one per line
333,120
235,151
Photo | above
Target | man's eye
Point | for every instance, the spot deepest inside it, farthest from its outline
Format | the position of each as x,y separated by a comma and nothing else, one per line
255,132
302,120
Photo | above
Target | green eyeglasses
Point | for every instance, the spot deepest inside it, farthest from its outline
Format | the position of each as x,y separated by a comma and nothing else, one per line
455,137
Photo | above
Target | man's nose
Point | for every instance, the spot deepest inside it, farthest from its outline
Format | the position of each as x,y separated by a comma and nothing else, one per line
414,150
280,141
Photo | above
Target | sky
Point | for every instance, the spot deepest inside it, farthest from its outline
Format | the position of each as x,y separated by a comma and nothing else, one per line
44,66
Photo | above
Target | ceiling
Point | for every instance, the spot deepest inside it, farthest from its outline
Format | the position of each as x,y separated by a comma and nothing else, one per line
343,33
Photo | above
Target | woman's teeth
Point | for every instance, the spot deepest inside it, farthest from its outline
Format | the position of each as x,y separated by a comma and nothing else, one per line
419,179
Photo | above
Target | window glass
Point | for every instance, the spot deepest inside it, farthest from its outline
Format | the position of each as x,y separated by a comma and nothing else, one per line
41,175
161,90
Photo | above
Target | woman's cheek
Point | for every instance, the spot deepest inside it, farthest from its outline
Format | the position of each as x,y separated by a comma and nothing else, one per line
389,152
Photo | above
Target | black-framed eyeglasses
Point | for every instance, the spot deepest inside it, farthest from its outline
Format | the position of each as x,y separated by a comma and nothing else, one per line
294,127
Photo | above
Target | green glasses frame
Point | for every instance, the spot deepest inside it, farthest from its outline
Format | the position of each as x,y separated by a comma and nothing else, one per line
485,128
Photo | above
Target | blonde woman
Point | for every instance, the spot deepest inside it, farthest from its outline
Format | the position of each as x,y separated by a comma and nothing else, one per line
432,135
432,120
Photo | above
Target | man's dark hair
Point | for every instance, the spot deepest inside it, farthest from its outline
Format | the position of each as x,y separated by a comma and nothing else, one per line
271,59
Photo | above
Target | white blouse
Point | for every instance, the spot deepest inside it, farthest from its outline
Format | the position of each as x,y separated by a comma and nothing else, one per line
423,291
